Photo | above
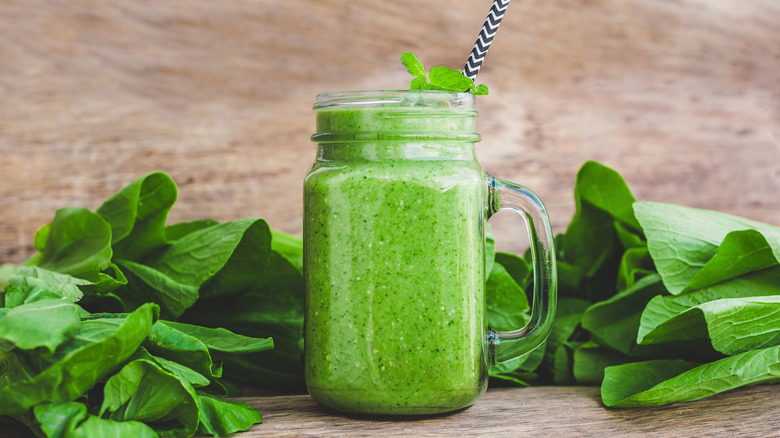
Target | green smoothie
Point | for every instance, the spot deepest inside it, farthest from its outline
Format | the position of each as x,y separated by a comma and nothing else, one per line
394,213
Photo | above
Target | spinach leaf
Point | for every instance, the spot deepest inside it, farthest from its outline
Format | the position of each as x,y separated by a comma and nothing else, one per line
590,239
177,231
678,275
562,367
106,282
682,240
207,259
635,264
137,215
519,371
222,418
517,267
194,378
670,381
507,305
220,341
571,279
291,247
272,308
621,382
567,320
250,251
83,362
6,271
21,326
741,252
663,308
614,322
733,325
83,258
78,243
629,236
151,285
507,309
33,283
227,254
143,391
169,343
70,419
593,240
606,190
590,360
195,347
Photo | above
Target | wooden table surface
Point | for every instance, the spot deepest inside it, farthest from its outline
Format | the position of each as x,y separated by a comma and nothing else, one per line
528,412
680,96
540,411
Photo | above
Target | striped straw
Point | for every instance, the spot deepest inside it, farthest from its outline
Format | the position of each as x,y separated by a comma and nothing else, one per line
489,29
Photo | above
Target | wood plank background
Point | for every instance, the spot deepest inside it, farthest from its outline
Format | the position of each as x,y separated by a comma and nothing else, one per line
680,96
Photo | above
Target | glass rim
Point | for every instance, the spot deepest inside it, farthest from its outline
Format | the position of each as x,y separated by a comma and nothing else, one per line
382,97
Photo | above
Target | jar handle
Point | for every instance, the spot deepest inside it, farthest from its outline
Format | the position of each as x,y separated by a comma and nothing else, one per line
504,195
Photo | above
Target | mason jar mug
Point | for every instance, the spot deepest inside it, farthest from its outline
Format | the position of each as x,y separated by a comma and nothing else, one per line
395,211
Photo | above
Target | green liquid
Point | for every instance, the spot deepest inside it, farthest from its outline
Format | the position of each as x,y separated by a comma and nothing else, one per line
394,266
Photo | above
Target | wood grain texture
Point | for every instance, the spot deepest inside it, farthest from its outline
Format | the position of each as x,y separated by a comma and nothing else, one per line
540,412
678,95
527,412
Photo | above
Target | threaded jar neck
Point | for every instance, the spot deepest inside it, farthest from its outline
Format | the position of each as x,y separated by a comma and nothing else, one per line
404,116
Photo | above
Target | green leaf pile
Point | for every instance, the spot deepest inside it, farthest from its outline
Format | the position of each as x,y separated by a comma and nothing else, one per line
439,78
121,325
659,303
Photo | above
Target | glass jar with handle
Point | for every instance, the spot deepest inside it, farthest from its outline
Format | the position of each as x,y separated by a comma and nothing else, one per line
395,210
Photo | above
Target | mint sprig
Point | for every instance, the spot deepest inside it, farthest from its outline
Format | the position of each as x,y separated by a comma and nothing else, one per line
439,78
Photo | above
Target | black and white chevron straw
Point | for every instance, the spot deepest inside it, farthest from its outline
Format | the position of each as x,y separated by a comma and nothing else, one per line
489,29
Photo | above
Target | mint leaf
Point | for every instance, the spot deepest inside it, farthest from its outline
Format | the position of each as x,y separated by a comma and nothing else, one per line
481,90
450,79
419,83
413,65
440,78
